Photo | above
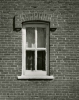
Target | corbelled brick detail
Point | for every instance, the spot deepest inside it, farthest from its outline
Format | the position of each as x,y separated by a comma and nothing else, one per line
22,17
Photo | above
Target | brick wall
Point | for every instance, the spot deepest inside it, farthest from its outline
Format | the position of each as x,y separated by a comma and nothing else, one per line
64,50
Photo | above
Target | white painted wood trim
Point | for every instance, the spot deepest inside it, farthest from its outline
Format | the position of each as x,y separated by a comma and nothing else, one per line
35,48
24,76
35,73
23,50
35,25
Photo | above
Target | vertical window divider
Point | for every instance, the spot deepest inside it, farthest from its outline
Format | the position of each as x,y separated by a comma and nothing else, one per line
35,48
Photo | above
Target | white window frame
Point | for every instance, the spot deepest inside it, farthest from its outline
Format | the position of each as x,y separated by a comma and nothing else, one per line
36,74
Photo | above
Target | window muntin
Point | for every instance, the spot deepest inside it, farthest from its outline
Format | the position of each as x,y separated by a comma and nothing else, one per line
36,49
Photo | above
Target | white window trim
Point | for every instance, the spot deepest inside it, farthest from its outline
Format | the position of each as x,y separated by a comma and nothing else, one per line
26,74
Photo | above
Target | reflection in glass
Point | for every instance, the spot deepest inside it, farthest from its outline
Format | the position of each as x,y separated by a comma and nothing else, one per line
30,37
40,60
30,60
41,37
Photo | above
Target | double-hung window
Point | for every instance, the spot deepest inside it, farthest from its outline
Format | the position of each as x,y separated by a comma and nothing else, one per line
35,50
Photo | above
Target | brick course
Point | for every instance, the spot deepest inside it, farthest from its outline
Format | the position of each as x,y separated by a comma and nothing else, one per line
64,50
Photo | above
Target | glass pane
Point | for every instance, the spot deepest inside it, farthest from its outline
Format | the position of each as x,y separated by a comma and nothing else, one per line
41,60
30,37
41,37
30,60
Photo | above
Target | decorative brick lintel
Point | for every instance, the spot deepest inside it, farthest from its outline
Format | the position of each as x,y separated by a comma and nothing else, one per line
32,16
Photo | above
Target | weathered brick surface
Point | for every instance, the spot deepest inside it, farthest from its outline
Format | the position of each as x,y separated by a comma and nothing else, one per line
64,50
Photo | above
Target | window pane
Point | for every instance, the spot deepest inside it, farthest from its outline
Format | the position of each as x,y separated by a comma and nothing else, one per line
30,37
30,60
41,37
41,60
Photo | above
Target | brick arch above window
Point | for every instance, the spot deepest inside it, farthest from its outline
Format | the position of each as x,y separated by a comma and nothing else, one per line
33,16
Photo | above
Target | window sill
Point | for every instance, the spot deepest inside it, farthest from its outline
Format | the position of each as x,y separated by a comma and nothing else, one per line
35,77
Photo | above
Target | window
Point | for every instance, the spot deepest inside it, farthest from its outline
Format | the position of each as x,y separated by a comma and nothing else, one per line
35,50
